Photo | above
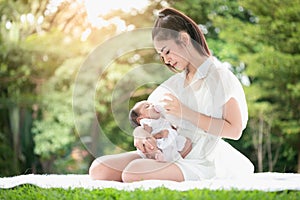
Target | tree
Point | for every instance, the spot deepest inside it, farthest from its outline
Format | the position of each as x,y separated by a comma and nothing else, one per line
43,44
30,62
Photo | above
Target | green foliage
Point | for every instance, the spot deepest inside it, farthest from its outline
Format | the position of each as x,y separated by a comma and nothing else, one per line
7,167
204,12
115,88
54,131
33,192
76,161
39,61
41,52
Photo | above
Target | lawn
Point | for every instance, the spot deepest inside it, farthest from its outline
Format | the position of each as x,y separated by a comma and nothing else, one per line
34,192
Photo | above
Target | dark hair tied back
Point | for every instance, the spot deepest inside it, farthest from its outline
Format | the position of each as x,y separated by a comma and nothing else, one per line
161,15
171,22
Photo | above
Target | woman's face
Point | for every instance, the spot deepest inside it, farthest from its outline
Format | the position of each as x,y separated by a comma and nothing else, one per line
172,53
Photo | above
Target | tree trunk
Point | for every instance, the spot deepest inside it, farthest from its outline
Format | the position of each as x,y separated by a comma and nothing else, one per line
260,145
47,165
14,120
269,148
95,137
298,160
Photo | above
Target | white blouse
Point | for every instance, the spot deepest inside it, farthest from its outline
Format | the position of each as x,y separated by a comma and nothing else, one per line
212,86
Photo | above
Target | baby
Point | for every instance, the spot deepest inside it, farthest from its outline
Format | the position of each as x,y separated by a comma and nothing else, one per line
151,118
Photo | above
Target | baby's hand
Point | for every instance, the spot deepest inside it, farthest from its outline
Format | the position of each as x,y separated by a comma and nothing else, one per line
147,128
162,134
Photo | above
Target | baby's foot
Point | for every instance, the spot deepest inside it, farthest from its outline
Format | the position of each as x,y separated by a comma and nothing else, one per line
159,156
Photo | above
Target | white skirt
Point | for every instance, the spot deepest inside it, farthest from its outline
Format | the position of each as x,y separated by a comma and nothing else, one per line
212,157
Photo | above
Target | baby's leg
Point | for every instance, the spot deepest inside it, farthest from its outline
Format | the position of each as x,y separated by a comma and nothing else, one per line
159,156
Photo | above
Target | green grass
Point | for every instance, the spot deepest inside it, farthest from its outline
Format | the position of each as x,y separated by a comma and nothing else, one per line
34,192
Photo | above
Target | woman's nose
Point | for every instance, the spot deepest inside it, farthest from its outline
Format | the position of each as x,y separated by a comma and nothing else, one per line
167,59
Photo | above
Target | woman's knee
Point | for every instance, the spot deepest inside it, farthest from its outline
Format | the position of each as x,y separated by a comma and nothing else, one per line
137,170
129,174
110,167
99,170
96,169
147,169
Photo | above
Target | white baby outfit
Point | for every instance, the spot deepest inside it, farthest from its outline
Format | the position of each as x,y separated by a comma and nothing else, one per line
169,145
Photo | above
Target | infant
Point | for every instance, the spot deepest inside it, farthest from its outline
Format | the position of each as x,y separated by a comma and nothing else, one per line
151,118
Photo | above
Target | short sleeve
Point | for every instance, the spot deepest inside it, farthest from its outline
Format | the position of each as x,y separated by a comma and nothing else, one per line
230,87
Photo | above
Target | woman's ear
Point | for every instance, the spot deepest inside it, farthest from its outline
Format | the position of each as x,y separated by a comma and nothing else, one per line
184,38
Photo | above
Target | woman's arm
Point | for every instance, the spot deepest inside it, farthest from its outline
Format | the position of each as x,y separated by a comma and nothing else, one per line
228,127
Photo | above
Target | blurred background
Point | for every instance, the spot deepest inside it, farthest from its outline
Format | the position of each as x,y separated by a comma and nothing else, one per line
43,44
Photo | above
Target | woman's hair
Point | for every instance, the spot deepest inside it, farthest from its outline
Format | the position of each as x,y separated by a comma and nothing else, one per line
171,22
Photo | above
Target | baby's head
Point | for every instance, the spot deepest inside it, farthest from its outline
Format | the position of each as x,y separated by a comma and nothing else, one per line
141,110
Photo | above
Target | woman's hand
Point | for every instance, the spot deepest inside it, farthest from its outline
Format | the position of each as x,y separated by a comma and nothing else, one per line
151,146
143,140
172,105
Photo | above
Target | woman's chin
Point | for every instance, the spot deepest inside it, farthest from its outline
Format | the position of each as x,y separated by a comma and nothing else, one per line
179,68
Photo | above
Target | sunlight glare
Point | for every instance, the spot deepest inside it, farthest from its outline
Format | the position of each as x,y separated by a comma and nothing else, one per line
96,9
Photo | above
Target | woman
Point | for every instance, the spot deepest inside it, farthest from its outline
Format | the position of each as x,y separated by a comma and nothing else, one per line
205,101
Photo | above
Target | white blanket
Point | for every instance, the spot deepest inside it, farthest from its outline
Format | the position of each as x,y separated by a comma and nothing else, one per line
258,181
